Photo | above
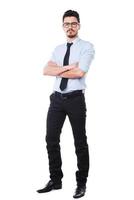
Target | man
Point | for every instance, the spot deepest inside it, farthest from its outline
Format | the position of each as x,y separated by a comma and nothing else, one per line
69,63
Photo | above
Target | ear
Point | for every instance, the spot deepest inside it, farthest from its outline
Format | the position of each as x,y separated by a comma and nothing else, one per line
79,26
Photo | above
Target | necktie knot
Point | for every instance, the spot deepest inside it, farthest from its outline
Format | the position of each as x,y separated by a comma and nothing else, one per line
69,44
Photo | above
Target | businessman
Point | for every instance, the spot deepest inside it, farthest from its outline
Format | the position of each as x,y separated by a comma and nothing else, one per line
69,64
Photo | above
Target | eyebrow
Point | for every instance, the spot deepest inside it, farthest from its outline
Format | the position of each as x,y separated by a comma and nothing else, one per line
70,22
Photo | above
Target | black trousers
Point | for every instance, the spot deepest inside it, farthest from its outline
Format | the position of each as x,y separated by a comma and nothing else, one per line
74,107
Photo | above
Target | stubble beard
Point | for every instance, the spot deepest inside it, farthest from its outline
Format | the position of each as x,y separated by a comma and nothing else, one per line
71,35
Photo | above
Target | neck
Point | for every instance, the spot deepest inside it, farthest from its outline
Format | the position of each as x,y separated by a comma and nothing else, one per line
71,39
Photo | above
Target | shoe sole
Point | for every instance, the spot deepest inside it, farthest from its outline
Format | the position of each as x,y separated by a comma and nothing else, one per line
54,188
78,197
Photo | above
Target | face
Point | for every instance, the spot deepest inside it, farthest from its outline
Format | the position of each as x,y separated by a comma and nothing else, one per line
71,26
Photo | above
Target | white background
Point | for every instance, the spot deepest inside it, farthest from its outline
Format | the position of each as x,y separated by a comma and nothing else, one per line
29,31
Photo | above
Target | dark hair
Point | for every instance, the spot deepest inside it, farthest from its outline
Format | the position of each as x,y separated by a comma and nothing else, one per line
71,13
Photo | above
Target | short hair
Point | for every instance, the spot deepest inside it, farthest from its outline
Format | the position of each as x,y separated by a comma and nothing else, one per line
71,13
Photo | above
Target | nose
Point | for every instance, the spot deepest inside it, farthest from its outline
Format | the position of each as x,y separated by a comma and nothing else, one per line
69,26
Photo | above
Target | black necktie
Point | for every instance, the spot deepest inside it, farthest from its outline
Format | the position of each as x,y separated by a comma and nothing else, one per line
64,81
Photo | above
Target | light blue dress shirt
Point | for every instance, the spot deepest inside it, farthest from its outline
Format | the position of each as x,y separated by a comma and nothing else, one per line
82,52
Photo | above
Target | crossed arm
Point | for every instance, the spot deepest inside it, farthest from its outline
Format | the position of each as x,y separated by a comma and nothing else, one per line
69,71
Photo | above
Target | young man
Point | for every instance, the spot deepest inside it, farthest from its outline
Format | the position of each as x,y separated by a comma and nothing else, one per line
69,63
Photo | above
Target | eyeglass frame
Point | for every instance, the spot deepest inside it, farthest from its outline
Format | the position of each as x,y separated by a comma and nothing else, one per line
73,24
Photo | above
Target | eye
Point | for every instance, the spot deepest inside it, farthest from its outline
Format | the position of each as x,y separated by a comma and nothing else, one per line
66,24
74,23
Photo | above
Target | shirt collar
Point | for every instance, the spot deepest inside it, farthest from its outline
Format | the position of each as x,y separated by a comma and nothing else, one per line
75,40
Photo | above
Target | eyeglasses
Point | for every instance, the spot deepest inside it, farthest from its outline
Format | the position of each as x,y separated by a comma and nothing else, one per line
67,24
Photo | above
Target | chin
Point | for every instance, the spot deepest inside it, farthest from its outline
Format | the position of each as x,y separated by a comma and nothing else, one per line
72,36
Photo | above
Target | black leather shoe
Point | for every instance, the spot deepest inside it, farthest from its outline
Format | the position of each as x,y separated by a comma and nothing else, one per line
50,186
80,191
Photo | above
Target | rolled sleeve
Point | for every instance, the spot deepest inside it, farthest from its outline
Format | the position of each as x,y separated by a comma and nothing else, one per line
86,57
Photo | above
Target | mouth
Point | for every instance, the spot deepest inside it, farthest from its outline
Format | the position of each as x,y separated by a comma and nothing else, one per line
70,30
